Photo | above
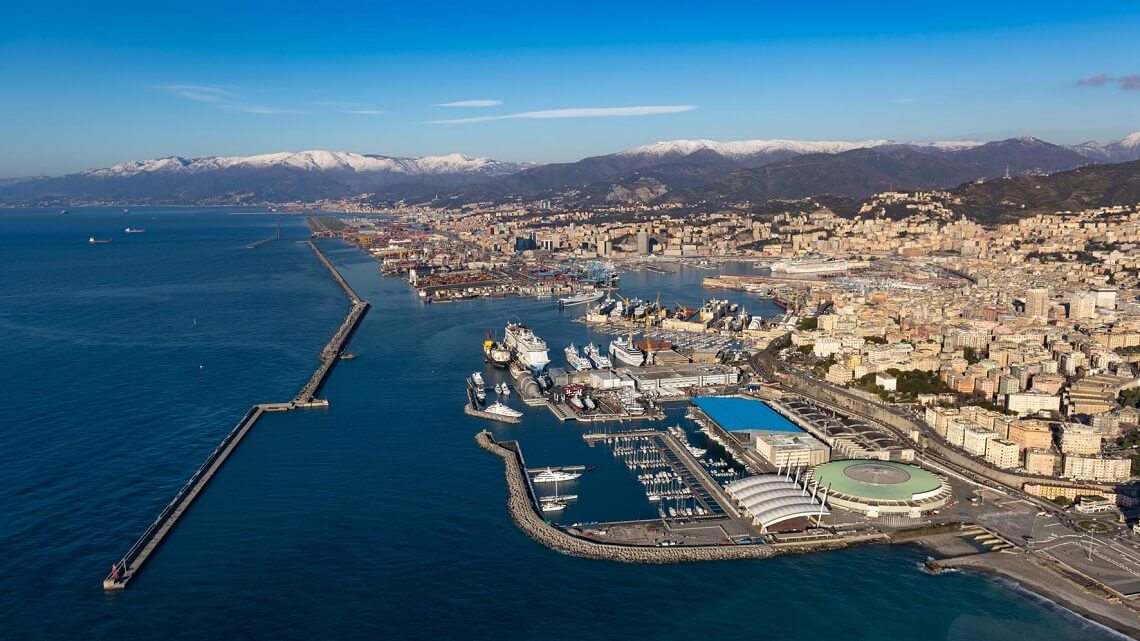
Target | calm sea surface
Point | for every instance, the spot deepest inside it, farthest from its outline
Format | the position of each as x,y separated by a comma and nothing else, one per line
124,364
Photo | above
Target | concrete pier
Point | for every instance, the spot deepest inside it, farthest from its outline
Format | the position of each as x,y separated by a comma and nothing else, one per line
132,562
276,236
135,557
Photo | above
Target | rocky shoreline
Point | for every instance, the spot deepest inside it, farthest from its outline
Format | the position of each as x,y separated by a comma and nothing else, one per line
521,508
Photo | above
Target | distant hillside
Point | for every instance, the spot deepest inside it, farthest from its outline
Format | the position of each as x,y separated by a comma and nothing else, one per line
1003,200
861,172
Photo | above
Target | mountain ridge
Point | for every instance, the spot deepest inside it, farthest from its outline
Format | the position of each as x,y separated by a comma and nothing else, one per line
674,170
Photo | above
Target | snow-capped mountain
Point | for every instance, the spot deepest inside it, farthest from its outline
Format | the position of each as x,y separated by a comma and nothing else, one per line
741,150
313,161
746,150
1123,150
287,176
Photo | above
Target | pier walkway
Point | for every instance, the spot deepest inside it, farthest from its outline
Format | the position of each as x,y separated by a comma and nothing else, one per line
132,562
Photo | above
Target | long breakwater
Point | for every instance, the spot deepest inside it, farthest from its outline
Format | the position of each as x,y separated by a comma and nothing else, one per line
132,562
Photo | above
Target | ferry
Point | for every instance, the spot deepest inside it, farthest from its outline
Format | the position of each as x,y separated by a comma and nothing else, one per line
624,352
503,410
98,241
576,360
130,230
595,356
529,349
579,299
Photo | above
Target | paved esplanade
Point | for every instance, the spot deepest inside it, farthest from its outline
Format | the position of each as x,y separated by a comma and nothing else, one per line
876,480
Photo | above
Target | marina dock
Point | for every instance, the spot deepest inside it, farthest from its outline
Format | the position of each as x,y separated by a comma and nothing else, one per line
705,488
132,562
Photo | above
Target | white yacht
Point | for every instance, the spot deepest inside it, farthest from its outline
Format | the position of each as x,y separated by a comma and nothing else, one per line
502,410
595,356
624,352
529,349
553,506
550,475
576,360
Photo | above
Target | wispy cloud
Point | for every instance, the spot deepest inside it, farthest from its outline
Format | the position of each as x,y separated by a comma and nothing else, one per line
226,99
199,93
264,110
1127,83
1094,81
470,103
586,112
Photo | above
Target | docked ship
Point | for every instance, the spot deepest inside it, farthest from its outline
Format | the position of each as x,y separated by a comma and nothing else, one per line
580,299
495,353
502,410
529,349
809,265
624,352
595,356
131,230
98,241
576,360
478,386
551,475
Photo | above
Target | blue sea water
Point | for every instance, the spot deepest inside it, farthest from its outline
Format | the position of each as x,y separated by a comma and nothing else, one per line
124,364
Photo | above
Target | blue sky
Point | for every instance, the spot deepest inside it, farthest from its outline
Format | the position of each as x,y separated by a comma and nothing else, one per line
92,84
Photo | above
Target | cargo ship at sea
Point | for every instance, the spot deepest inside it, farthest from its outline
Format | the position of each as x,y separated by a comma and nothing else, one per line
529,349
98,241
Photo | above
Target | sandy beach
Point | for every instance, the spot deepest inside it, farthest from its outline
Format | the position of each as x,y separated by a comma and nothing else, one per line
1044,578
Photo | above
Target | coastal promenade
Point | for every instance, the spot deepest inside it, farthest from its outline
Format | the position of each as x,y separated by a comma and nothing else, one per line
132,562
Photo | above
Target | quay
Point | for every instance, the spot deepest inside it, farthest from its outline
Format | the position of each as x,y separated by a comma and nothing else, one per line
132,562
276,236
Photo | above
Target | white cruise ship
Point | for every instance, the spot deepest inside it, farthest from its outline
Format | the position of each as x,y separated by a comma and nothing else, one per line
624,352
809,265
529,349
576,360
595,356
